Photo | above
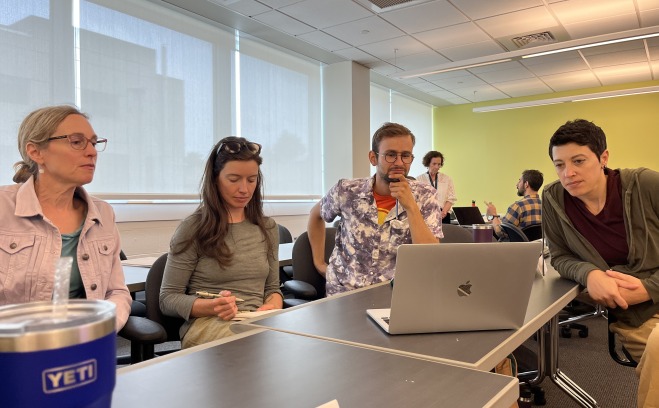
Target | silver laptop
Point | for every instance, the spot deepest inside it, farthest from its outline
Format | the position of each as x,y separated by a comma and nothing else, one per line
460,287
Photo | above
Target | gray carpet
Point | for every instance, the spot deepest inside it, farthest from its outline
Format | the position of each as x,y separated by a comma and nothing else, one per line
586,361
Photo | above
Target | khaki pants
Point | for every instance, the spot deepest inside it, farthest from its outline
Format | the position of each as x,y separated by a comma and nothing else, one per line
643,344
206,329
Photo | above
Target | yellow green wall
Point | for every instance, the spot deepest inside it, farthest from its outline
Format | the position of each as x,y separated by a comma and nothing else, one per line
485,153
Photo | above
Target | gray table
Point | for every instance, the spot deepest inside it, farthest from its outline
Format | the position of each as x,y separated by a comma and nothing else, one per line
275,369
343,319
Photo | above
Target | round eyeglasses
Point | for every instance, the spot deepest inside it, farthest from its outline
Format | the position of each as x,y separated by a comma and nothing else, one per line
79,142
391,157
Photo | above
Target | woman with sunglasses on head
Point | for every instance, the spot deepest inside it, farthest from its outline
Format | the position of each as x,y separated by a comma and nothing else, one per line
49,215
227,247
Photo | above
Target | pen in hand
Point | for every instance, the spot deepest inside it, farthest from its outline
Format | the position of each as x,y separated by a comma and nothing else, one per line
205,294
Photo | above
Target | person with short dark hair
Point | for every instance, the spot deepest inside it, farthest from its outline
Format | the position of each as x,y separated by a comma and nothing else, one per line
524,212
226,247
602,227
377,213
443,184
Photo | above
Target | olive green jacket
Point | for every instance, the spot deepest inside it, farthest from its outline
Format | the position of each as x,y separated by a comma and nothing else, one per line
574,257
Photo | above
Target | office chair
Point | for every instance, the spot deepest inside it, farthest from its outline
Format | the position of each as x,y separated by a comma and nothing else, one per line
307,284
514,233
285,237
456,233
533,231
156,328
617,351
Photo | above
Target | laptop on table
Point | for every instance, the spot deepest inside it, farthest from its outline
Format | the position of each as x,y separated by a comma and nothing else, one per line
460,287
468,215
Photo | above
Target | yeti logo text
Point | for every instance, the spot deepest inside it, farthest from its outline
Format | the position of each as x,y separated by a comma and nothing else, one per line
64,378
464,289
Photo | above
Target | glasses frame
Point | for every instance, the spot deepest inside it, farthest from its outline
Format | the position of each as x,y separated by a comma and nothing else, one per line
253,147
103,142
397,156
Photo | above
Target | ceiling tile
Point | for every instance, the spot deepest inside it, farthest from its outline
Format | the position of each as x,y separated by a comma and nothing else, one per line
624,73
364,31
323,13
449,97
650,18
555,63
395,47
323,40
284,23
571,80
615,58
655,70
477,9
424,17
568,12
245,7
523,87
446,37
278,3
468,51
424,59
603,26
383,68
506,75
480,93
531,20
647,4
426,86
457,82
357,55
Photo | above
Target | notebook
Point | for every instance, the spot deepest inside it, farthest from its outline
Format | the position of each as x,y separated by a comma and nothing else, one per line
468,215
460,287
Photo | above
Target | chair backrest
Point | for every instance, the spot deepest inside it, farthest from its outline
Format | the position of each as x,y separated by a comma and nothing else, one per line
303,267
515,234
533,232
285,235
152,289
456,234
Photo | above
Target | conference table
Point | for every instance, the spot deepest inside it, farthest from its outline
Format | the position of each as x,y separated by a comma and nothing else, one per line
136,269
268,368
343,319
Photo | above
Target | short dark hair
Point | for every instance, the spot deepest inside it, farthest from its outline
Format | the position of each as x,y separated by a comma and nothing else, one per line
581,132
389,129
431,155
534,178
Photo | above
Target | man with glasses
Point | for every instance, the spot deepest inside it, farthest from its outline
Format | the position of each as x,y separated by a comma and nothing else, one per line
378,214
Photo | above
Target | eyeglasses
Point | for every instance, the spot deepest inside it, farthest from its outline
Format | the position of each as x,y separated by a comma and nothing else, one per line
237,146
79,142
391,157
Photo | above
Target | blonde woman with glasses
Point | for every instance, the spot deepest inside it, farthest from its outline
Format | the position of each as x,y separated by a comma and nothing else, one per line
223,257
48,215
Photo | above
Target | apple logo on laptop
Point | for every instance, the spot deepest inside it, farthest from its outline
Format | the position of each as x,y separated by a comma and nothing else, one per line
464,289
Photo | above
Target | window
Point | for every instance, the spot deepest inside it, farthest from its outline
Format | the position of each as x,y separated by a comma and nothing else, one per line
162,88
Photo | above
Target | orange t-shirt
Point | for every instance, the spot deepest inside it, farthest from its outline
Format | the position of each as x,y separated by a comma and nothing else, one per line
384,204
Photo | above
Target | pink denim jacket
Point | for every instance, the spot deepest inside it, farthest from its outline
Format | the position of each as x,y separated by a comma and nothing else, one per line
30,246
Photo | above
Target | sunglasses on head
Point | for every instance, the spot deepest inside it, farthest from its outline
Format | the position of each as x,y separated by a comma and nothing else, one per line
234,147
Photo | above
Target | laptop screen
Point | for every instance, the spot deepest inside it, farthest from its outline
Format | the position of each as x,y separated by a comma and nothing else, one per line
468,215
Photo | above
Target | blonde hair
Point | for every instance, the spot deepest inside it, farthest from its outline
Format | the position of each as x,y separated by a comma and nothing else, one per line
36,128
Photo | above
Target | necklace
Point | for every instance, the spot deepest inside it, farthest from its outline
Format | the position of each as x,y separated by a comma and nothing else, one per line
435,183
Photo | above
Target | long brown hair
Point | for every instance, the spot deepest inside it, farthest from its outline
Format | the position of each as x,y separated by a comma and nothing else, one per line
211,218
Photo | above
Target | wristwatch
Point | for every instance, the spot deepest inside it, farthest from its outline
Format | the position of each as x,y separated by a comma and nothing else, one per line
491,217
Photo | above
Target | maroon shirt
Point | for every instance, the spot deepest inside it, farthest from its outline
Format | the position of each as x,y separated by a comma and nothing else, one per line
606,230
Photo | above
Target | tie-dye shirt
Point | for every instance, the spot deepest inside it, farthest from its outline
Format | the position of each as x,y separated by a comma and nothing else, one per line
365,252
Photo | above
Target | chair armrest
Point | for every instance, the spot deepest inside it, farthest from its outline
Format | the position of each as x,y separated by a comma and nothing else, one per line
143,330
301,289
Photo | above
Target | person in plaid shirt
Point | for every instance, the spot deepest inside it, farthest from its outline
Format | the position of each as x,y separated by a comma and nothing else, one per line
524,212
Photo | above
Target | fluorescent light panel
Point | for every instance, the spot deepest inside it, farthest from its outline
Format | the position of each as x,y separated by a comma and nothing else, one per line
597,44
575,98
